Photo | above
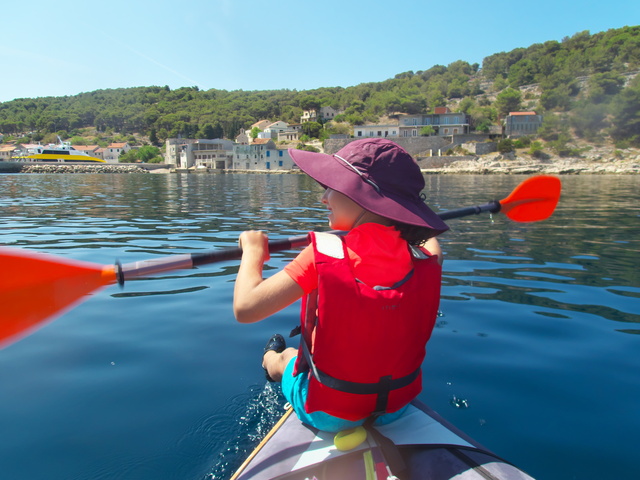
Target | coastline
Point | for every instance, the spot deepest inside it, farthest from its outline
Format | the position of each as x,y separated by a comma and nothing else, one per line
512,164
491,164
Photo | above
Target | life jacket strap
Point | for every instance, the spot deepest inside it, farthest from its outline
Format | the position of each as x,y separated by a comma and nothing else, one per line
380,388
395,286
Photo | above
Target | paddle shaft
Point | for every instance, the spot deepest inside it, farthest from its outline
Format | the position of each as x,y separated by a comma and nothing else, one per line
178,262
493,207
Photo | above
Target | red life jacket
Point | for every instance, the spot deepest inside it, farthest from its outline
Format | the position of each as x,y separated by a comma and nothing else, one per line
362,345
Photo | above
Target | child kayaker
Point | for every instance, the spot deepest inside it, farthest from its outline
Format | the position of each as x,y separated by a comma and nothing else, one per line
370,298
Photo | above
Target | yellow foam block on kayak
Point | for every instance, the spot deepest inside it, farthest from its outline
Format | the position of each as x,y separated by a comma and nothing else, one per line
349,439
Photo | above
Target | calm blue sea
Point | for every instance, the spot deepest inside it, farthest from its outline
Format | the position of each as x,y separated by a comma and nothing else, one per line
535,354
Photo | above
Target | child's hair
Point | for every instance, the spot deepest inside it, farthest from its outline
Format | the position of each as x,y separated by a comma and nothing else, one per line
414,234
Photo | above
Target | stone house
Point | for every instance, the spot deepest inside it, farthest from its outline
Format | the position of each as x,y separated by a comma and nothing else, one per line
520,124
6,152
329,113
173,147
261,125
325,114
273,129
113,151
443,121
91,150
242,137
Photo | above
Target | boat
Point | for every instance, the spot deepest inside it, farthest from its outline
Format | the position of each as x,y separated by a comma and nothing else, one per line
62,152
419,445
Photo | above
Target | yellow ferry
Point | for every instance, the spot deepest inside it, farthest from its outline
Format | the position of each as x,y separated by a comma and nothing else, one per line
62,153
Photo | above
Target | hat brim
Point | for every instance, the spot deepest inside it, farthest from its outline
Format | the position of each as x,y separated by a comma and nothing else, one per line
332,173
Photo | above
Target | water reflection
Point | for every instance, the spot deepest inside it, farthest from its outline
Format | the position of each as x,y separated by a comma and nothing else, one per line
527,309
583,258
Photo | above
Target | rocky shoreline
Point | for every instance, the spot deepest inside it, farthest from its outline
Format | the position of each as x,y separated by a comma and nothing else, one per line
62,168
511,164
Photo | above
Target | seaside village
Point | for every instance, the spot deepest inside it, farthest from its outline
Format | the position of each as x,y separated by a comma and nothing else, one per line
269,150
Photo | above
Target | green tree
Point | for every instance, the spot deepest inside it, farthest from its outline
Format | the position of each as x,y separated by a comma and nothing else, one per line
466,105
128,157
505,145
427,131
603,86
312,129
589,120
499,83
509,100
153,137
625,109
254,132
536,150
309,103
147,152
338,128
357,106
556,98
207,132
553,127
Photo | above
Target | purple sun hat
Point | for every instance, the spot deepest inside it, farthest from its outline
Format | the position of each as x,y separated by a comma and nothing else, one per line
378,175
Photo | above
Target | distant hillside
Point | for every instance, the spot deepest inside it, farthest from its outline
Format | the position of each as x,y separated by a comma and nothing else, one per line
584,85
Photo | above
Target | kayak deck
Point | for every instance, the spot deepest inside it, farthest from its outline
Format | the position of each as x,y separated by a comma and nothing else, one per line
430,448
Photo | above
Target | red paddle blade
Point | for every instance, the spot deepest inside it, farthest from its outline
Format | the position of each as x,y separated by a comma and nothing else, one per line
35,287
533,200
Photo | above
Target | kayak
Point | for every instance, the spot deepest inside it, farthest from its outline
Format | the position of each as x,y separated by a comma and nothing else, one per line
421,444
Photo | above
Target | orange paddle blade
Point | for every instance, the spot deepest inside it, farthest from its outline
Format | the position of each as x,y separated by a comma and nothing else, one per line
35,287
533,200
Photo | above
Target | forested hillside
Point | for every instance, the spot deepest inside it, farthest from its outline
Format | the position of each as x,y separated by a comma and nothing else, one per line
586,88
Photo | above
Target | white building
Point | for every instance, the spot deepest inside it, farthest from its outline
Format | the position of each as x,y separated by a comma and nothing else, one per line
382,131
325,114
290,135
262,154
173,149
216,154
309,116
273,129
113,151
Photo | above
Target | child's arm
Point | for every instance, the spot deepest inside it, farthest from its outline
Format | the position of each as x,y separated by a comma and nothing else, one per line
433,247
255,298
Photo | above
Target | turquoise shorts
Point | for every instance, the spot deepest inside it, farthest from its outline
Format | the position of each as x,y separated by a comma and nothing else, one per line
295,391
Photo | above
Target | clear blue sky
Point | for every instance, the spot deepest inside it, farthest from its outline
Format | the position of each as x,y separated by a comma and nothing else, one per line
67,47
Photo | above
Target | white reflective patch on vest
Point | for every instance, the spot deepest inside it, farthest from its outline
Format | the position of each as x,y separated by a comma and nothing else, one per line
329,245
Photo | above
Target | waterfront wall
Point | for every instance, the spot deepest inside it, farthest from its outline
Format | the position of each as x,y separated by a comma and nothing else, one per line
480,148
10,167
35,167
426,163
413,145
